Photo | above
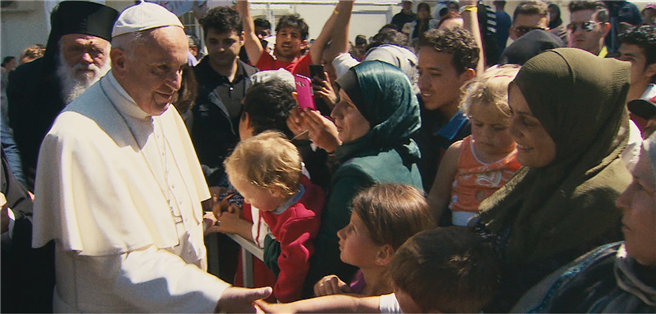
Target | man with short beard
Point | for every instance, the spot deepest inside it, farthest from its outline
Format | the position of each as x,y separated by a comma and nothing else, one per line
77,55
291,42
222,83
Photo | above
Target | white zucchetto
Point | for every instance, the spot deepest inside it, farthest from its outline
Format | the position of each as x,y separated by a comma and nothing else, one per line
144,16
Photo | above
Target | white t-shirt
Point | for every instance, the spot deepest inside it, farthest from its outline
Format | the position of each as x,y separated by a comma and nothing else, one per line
389,304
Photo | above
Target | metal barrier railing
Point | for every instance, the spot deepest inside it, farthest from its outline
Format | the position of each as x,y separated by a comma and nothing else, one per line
248,248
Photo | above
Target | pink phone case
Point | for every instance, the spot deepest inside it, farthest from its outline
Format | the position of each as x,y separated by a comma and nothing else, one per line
304,90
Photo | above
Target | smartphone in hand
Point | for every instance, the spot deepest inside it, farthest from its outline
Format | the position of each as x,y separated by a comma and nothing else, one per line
317,70
304,91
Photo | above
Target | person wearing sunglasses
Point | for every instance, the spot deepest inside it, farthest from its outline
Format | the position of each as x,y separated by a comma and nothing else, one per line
589,26
529,15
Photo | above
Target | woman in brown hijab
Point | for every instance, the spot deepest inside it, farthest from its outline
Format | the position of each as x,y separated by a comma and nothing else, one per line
570,125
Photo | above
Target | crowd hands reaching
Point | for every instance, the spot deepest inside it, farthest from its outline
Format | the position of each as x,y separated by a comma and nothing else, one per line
427,174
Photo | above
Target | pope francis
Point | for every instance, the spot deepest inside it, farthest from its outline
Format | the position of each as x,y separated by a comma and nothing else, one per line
119,187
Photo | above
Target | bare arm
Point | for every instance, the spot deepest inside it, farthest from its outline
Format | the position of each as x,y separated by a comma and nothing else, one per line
470,18
338,303
326,34
440,194
339,43
251,42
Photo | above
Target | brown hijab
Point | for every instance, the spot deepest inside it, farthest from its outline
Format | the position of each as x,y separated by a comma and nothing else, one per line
568,205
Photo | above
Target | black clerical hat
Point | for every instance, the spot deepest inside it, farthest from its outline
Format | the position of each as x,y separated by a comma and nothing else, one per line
77,17
83,17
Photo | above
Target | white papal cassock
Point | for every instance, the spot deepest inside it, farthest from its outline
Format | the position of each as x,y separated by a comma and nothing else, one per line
119,191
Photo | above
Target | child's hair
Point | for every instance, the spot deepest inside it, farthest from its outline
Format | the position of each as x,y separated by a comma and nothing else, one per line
392,213
268,161
491,88
268,105
451,270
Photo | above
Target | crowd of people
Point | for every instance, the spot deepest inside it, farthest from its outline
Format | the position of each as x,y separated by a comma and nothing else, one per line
429,168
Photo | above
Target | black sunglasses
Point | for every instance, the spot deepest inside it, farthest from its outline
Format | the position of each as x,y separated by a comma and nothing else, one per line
587,26
522,30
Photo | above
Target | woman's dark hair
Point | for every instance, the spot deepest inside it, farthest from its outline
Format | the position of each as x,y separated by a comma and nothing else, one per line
424,6
7,60
556,20
268,105
186,96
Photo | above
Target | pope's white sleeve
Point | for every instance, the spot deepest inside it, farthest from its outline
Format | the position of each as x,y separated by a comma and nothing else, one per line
389,304
155,280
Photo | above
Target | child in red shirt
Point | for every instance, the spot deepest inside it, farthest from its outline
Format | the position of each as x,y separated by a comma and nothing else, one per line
266,170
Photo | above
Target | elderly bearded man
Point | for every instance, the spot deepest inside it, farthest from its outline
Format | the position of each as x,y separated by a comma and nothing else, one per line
77,55
119,187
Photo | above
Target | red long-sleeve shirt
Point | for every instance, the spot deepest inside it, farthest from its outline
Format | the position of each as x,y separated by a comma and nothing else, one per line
295,229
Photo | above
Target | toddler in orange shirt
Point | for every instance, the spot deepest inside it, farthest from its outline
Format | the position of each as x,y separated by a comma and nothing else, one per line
477,166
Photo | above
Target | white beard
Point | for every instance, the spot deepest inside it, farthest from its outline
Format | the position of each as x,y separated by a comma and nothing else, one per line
74,85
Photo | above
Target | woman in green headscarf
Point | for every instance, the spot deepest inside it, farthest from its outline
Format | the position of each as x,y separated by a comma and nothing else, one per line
376,114
570,125
618,277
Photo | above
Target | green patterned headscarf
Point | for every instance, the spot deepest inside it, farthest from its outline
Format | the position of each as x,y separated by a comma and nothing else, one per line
568,205
383,95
